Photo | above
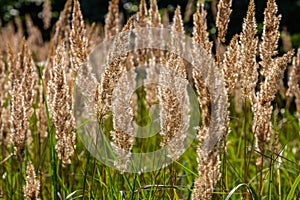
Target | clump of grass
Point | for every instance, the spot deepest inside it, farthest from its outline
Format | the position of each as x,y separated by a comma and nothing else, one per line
256,150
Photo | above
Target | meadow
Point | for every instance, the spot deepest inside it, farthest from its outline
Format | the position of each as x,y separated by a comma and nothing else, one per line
44,152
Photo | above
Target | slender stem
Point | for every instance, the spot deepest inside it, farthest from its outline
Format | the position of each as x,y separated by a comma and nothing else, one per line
245,139
279,184
92,185
85,175
246,132
270,178
261,177
52,146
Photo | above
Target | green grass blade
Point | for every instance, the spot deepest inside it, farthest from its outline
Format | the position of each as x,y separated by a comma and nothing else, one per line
43,153
53,160
85,175
188,170
250,189
293,188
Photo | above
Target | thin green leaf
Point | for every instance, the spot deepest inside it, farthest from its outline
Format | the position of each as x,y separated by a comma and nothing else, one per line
293,188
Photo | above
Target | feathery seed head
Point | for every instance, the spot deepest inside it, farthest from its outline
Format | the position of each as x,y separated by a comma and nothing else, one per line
47,14
294,76
78,40
268,46
142,14
248,48
111,26
32,187
155,20
60,106
62,26
177,21
200,34
223,18
230,64
18,120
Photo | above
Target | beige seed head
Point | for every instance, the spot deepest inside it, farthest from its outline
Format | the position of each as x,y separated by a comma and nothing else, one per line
270,86
29,79
177,21
170,113
177,40
60,107
223,18
174,111
95,33
286,40
293,82
248,48
32,187
150,82
204,97
294,76
110,76
155,20
20,30
208,169
262,109
123,117
166,19
62,26
230,64
189,10
200,34
78,40
34,34
18,119
142,14
41,114
2,87
268,46
111,26
23,81
47,14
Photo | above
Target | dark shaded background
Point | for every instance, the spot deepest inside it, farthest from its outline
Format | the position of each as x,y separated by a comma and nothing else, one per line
95,10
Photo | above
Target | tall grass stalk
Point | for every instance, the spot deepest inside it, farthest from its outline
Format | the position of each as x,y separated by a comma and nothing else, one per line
52,148
255,131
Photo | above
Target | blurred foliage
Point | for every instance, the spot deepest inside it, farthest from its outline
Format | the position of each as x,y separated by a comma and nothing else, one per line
95,10
296,40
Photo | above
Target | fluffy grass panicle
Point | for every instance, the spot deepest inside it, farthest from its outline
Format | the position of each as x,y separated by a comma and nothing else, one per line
19,120
200,34
198,173
248,64
293,82
3,96
78,40
60,107
230,64
123,134
155,19
47,14
208,170
62,26
112,24
32,187
272,68
23,94
262,108
268,46
223,18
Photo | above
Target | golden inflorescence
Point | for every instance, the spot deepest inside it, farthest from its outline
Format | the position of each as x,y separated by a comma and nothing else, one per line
67,52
